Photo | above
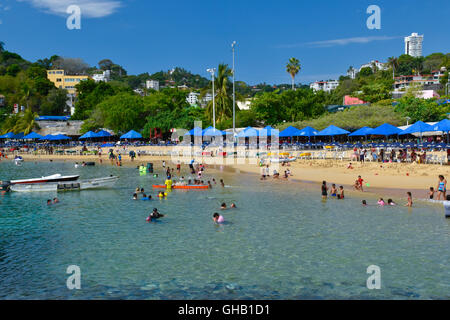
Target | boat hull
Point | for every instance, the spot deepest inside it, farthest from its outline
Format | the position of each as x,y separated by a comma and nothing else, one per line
97,183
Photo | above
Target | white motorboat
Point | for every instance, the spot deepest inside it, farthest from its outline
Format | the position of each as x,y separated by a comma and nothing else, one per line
96,183
53,178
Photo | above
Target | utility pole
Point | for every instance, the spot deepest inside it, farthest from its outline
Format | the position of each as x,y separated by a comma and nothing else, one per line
213,71
234,94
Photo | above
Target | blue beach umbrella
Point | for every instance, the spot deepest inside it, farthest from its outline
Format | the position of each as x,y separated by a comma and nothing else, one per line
197,132
18,136
8,135
364,131
210,131
33,135
418,127
290,132
268,130
332,131
88,135
248,132
103,134
131,135
385,129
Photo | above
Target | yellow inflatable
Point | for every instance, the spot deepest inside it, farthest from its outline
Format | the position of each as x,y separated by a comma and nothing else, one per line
305,154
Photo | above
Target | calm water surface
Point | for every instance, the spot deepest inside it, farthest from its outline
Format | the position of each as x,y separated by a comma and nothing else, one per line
282,242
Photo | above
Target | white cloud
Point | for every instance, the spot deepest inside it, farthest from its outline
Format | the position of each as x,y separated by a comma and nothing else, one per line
89,8
339,42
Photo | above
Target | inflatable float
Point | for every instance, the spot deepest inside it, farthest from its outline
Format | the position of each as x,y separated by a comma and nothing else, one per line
182,187
279,160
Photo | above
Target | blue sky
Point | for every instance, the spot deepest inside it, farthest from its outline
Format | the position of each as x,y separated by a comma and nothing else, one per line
148,36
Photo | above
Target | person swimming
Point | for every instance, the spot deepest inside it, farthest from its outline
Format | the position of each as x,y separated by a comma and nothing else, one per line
218,218
223,206
49,202
233,205
431,193
391,202
154,215
222,183
333,190
162,195
209,185
381,202
364,203
135,196
145,198
55,200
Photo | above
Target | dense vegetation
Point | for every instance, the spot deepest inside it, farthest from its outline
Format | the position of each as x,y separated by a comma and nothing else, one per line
115,104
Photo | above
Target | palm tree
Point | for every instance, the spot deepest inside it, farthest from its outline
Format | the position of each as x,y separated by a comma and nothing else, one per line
27,122
223,94
2,46
393,62
293,67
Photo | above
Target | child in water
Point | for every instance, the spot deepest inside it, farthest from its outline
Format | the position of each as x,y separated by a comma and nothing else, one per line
381,202
410,202
391,203
341,193
223,206
333,190
364,203
431,193
218,218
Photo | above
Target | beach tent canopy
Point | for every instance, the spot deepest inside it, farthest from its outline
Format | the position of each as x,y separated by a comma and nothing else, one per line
309,132
131,135
103,133
267,131
364,131
248,132
419,126
290,132
88,135
443,125
61,137
385,130
18,136
8,135
53,118
332,131
33,135
197,132
210,131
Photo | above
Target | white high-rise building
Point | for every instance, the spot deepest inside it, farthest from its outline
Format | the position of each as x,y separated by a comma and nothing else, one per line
413,45
192,98
326,86
152,84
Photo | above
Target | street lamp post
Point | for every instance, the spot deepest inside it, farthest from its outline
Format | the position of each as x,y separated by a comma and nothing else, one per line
234,94
407,120
213,71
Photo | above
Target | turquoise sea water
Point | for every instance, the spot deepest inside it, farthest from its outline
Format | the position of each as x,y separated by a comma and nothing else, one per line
282,242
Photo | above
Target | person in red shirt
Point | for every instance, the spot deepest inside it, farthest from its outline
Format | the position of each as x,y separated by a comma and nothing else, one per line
360,182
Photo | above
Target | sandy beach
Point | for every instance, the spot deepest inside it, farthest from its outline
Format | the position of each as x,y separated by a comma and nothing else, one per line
382,178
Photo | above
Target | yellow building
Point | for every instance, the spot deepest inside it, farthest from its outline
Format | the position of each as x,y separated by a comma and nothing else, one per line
64,81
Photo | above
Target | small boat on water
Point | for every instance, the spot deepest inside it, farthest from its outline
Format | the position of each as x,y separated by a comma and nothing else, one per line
18,160
53,178
96,183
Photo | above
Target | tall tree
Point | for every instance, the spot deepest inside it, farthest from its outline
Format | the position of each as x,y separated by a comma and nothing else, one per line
293,67
223,95
393,63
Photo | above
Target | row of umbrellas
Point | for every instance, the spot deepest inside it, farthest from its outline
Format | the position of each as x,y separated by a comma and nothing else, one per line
88,135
